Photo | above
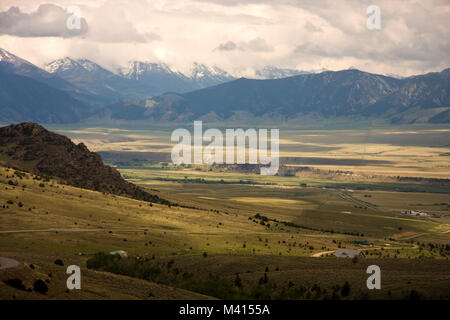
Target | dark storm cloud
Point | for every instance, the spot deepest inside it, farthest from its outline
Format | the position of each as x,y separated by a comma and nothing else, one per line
48,20
254,45
227,46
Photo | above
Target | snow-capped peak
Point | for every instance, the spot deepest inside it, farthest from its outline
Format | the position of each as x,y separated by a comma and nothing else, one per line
61,65
135,69
69,64
88,65
8,57
201,72
272,72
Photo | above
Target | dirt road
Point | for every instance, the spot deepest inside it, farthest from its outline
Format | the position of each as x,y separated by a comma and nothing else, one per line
69,230
319,254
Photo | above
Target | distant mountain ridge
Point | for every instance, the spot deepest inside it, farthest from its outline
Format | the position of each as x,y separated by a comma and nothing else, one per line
96,86
347,93
75,90
92,84
13,64
24,99
10,63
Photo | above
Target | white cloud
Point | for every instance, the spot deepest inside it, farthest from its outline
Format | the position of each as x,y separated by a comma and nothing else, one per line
240,35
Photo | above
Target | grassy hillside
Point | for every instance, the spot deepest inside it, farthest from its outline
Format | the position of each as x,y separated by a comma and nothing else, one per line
43,220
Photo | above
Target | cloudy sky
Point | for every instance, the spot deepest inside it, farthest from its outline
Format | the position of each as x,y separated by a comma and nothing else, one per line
236,35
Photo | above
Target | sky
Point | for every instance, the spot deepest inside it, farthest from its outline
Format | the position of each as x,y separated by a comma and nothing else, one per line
238,36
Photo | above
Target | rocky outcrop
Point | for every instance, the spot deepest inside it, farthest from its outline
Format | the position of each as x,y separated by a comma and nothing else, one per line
29,146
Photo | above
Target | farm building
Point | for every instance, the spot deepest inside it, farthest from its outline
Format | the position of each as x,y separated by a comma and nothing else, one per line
348,253
359,241
415,213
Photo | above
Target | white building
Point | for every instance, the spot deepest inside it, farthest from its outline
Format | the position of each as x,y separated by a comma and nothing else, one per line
348,253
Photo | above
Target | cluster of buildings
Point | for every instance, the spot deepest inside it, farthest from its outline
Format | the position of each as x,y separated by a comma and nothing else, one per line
415,213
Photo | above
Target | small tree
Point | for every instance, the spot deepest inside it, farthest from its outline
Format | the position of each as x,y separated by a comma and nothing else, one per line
238,281
413,295
345,290
40,286
59,262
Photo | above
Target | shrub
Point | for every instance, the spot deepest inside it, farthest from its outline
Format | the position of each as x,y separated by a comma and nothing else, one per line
345,290
59,262
211,285
263,280
99,260
40,286
238,281
413,295
15,283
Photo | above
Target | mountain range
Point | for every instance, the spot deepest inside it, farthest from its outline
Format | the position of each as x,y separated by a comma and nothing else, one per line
73,90
90,83
138,79
347,93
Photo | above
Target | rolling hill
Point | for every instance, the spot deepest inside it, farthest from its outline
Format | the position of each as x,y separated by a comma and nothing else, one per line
30,147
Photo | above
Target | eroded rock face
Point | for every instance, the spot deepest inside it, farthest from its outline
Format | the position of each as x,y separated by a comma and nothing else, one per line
29,146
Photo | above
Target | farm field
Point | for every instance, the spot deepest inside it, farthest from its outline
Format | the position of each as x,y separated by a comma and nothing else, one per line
410,151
